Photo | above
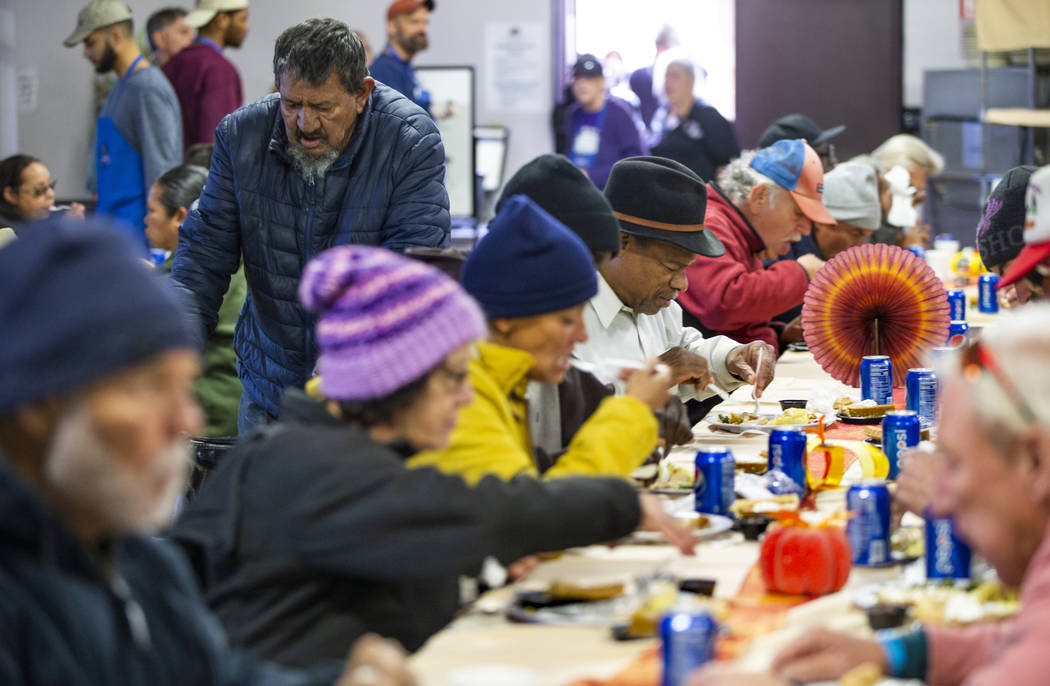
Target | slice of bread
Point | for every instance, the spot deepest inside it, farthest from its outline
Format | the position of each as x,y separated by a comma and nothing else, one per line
870,411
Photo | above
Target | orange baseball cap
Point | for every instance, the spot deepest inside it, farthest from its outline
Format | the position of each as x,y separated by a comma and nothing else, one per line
399,7
795,166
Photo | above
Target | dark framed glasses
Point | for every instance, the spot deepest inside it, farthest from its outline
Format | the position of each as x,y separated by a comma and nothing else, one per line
37,191
977,357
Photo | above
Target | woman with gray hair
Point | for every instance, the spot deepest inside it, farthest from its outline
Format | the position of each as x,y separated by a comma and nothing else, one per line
685,128
920,161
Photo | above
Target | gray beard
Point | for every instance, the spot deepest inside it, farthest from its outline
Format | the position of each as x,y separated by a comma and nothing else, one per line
311,167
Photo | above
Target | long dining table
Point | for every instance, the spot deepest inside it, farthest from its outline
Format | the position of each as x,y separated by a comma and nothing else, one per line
560,655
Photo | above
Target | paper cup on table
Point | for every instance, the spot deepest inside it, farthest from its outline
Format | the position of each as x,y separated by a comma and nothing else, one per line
940,261
488,675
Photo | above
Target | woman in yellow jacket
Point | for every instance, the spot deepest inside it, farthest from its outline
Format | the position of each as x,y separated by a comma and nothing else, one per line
532,277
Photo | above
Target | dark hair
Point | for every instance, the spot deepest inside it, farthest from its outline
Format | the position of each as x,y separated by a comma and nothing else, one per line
369,413
315,48
199,154
160,20
180,186
11,176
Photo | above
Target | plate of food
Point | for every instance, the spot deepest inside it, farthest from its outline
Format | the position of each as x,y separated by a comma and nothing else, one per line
944,602
600,603
702,525
738,422
850,411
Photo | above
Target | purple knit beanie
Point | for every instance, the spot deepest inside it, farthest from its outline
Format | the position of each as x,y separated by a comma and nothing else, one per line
385,320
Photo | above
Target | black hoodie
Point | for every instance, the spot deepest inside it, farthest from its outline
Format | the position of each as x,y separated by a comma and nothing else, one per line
310,534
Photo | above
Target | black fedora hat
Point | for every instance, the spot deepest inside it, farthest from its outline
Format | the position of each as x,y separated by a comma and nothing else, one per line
659,198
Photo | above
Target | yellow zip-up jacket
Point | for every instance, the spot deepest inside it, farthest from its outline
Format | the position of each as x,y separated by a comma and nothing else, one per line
492,434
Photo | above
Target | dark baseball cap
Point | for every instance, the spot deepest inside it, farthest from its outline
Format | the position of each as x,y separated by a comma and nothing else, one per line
798,126
587,65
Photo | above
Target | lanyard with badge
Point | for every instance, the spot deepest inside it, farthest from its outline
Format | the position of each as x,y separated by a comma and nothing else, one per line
587,138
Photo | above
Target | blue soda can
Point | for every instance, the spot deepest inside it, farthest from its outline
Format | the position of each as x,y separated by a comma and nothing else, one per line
958,333
918,251
868,529
688,643
787,452
921,388
715,480
876,379
956,304
900,430
946,556
987,297
157,256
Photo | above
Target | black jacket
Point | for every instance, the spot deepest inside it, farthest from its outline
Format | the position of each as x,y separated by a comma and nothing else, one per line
310,534
64,622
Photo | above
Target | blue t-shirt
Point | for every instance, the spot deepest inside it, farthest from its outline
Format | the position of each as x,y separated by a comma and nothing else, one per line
586,137
397,73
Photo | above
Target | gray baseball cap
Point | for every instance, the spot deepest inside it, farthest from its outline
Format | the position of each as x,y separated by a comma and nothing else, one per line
98,14
851,194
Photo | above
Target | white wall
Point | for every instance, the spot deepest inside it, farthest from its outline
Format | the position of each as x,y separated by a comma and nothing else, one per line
59,130
932,40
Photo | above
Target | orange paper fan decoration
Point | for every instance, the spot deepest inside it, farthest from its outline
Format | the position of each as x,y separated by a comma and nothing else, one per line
874,299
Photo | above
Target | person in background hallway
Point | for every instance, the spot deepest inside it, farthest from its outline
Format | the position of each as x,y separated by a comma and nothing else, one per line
218,389
332,158
406,29
641,80
206,82
601,129
793,126
369,54
139,131
168,33
94,412
27,193
685,129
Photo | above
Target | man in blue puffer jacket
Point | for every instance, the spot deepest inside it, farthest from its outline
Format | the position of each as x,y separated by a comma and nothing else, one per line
333,158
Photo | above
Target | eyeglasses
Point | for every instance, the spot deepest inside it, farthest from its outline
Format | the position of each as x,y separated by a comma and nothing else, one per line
38,191
977,357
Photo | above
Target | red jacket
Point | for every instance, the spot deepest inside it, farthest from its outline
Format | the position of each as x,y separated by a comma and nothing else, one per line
208,87
733,294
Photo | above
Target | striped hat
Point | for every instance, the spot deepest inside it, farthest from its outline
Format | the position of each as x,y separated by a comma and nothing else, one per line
385,320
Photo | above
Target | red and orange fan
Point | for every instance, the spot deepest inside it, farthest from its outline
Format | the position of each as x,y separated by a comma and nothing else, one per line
874,299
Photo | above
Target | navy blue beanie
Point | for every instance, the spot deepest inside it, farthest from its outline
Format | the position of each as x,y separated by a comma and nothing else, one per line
528,263
77,304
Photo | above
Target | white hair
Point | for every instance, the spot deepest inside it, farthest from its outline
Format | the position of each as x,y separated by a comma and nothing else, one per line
906,151
739,177
1021,342
682,58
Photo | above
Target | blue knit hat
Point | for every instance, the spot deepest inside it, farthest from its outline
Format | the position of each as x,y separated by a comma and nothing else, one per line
77,304
529,263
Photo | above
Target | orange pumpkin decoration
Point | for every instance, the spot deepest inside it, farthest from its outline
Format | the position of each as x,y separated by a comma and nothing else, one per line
801,559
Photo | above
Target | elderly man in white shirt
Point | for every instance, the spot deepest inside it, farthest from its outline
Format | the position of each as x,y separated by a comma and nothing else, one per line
660,205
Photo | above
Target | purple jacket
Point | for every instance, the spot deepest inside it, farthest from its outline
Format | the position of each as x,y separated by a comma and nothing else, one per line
620,138
208,87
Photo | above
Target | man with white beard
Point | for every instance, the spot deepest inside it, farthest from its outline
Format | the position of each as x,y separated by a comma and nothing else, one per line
96,402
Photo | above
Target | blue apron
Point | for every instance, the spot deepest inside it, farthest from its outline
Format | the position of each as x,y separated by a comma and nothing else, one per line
120,173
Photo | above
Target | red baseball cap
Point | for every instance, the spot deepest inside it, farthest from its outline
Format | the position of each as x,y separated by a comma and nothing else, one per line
399,7
1036,229
797,168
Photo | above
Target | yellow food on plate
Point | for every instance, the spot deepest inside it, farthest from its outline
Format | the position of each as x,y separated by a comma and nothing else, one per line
674,476
778,503
794,415
695,521
568,590
947,604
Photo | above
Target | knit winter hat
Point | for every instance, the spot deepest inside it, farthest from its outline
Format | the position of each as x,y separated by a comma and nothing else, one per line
78,304
529,263
558,186
1000,233
385,320
851,194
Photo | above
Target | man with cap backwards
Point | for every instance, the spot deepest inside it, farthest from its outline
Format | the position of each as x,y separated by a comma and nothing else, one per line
764,201
1029,270
660,204
138,135
851,194
95,405
207,83
793,126
406,28
333,158
601,129
358,541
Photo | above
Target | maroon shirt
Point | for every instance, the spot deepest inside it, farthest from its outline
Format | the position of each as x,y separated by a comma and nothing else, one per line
208,87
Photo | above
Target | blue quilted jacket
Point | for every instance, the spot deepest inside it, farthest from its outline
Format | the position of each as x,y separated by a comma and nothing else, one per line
386,188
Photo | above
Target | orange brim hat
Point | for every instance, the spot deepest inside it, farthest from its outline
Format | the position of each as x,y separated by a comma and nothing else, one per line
795,166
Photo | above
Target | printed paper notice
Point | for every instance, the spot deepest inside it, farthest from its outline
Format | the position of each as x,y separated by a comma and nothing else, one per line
516,61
